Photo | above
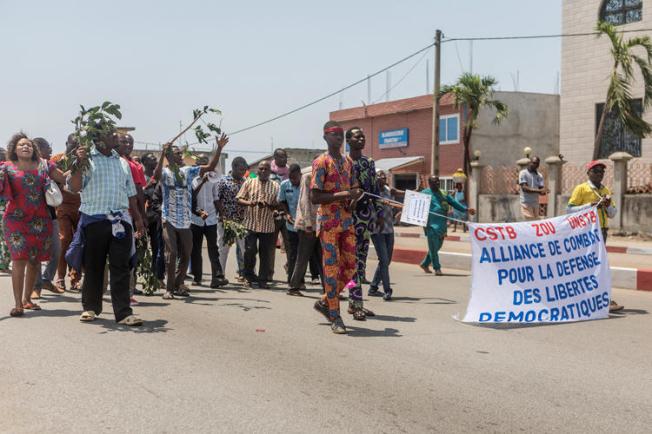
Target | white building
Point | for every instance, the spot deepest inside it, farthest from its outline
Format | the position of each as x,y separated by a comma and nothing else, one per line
586,63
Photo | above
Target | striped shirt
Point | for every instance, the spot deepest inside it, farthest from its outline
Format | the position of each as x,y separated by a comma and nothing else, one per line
259,219
177,196
107,185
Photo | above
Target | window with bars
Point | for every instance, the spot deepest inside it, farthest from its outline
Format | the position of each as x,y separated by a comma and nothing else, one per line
615,137
619,12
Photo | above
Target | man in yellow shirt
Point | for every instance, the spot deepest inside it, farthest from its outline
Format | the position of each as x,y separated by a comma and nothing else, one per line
592,193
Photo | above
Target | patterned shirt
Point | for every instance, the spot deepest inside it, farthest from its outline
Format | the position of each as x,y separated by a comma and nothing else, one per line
387,217
106,185
205,200
306,218
367,210
177,196
227,192
289,193
332,176
259,219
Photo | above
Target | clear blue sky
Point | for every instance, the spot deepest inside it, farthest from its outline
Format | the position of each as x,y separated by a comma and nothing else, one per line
253,60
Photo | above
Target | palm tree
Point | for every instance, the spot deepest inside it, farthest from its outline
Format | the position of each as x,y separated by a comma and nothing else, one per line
619,98
472,93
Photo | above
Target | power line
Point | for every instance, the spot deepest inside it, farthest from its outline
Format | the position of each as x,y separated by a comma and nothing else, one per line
402,78
275,118
362,80
550,36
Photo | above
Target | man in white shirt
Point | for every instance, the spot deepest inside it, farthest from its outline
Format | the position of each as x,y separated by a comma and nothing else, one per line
204,224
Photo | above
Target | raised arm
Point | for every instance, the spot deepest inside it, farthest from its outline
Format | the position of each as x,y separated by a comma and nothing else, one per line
159,166
221,143
75,181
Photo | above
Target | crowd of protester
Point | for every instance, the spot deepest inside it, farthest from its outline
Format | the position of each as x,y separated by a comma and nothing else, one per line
324,219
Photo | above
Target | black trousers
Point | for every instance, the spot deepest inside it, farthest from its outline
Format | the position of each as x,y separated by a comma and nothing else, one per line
155,233
196,265
308,249
101,243
258,243
292,251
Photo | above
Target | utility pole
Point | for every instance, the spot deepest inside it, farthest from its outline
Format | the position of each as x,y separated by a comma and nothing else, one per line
368,89
388,84
434,160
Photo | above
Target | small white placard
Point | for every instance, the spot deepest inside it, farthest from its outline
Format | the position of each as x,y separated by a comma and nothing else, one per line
416,208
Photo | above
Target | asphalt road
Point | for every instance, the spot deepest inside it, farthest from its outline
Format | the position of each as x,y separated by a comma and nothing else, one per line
233,360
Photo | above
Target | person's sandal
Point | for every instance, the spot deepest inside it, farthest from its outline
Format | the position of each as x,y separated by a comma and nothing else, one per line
322,308
359,315
87,316
338,327
168,296
50,287
615,307
295,292
31,306
61,286
131,321
181,293
16,312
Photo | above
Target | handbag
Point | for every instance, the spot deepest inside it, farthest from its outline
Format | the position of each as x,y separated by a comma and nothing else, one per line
53,196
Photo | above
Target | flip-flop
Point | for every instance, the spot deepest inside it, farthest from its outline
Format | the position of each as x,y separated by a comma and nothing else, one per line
87,316
16,312
31,306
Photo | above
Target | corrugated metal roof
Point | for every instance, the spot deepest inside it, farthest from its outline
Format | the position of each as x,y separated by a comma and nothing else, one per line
388,164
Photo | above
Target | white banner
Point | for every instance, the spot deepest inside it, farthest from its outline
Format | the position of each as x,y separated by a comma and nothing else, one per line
416,207
543,271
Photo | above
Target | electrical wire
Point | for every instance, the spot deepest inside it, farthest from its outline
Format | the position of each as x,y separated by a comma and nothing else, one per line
275,118
401,79
551,36
444,40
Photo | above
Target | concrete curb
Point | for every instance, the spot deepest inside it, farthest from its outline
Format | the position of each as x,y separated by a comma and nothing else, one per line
610,249
627,278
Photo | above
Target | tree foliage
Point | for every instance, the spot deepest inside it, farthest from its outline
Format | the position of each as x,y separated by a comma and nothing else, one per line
472,92
94,127
628,55
202,135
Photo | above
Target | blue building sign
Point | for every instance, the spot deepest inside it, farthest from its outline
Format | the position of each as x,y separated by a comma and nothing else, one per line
393,138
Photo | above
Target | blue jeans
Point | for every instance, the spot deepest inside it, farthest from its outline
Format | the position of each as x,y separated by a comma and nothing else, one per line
48,274
384,245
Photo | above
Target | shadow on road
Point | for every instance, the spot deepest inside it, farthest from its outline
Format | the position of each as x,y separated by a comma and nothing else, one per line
419,299
156,326
392,318
358,332
244,307
626,312
152,304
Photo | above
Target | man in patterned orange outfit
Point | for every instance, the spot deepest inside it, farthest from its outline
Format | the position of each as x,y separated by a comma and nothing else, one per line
333,188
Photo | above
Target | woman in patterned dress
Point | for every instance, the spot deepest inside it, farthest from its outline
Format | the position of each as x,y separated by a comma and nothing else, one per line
27,226
5,259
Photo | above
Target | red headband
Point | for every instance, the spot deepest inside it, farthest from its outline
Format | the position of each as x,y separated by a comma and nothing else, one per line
334,130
